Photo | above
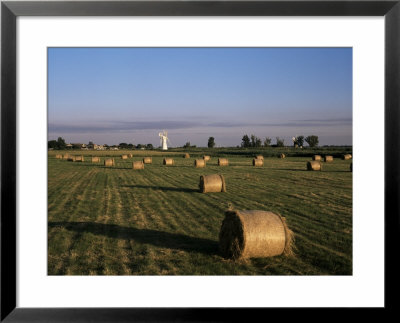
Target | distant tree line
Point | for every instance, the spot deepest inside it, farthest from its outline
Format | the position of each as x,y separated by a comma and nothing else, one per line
254,141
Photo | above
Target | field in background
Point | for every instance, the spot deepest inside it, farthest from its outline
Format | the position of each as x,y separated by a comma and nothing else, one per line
119,221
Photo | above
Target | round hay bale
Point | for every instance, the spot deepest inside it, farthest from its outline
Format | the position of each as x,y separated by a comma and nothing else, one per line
71,158
109,162
260,157
124,157
223,162
130,155
316,157
66,156
186,155
346,157
59,156
254,234
199,163
328,159
168,161
206,158
79,158
147,160
282,155
212,183
314,165
138,165
258,162
95,159
351,167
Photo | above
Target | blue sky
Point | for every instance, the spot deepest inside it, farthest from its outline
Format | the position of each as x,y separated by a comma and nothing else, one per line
114,95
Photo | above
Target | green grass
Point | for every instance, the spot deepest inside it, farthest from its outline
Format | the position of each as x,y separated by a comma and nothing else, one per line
119,221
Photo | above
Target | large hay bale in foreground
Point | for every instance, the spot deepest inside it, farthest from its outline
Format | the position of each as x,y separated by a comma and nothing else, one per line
124,157
138,165
206,158
186,155
316,157
314,165
328,159
95,159
109,162
260,157
346,157
212,183
223,162
168,161
257,162
282,155
254,234
199,163
79,158
147,160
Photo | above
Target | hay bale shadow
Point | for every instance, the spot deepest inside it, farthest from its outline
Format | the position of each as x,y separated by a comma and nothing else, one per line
163,188
156,238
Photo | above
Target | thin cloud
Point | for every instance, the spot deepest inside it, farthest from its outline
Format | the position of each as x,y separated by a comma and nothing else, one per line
121,126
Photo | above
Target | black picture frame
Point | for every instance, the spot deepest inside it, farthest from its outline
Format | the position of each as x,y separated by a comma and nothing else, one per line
10,10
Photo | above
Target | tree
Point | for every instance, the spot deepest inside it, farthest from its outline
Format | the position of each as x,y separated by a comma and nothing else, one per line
61,143
258,142
211,142
149,146
187,145
312,141
267,142
300,140
52,144
280,142
245,141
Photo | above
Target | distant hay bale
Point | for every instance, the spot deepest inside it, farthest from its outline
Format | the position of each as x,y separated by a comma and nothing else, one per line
168,161
138,165
316,157
71,158
109,162
282,155
186,155
328,159
66,156
79,158
351,167
124,157
130,155
254,234
147,160
260,157
346,157
223,162
206,158
212,183
59,156
95,159
258,162
199,163
314,165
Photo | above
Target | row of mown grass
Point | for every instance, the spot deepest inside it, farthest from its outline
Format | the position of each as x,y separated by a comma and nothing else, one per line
119,221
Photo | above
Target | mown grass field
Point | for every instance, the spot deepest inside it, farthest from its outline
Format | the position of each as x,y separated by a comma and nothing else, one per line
120,221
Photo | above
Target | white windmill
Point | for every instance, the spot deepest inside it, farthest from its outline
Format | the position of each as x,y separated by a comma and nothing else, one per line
163,139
